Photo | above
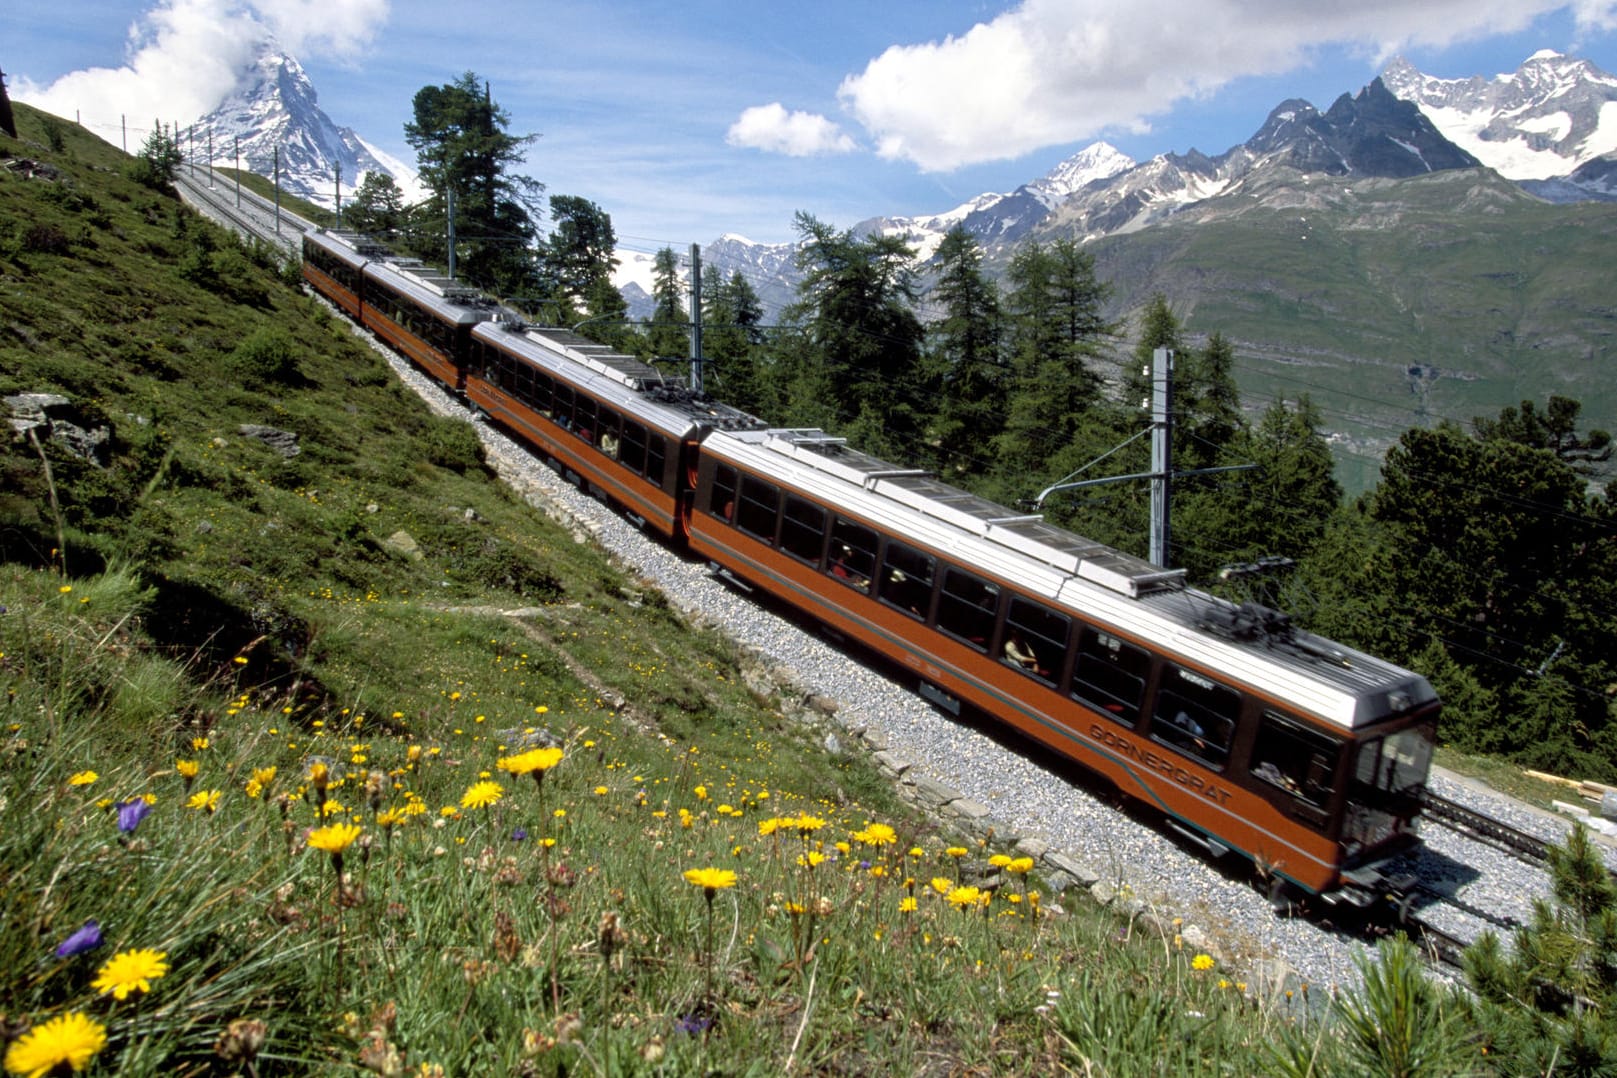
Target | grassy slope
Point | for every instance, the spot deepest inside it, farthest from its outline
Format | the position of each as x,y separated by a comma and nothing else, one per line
202,621
1338,289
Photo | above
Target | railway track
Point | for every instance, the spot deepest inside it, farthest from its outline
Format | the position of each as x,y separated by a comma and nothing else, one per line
243,211
1480,828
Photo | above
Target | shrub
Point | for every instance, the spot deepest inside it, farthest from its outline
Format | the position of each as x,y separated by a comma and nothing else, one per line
265,356
450,443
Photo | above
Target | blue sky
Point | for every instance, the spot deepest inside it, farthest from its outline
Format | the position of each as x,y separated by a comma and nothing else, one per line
686,121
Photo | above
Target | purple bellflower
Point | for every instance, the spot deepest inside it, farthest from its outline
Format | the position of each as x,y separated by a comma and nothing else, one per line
131,812
87,938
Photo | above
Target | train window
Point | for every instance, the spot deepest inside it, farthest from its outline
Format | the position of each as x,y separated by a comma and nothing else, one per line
722,498
757,508
584,419
1110,675
906,579
544,391
608,439
633,452
1396,764
1296,759
802,529
1196,715
853,554
522,383
564,406
1035,639
656,459
967,607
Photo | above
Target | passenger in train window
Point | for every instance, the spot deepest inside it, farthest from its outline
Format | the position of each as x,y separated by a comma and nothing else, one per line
1018,652
1198,736
609,444
842,567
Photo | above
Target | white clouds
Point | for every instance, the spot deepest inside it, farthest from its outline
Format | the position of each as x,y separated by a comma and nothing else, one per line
1057,71
795,134
184,57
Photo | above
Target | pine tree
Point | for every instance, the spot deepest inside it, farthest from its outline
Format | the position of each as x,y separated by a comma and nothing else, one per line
668,331
732,338
1550,1005
465,153
159,159
578,259
965,358
377,207
857,360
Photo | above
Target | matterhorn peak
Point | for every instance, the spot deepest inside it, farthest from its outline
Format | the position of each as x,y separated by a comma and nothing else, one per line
274,122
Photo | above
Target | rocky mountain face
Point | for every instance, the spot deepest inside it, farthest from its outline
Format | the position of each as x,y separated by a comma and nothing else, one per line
1546,125
279,110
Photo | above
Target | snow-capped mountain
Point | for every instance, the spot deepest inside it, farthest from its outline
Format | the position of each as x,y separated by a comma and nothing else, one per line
1001,218
1545,120
278,108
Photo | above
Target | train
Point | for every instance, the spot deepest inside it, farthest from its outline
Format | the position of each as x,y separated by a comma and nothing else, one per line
1248,735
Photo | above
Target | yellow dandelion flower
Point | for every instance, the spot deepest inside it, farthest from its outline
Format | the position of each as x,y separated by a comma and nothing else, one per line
204,800
769,827
1020,866
187,768
962,897
482,795
877,834
811,859
1202,962
83,778
941,885
391,817
710,879
68,1039
199,743
907,904
806,824
130,971
999,860
534,760
601,791
335,838
957,851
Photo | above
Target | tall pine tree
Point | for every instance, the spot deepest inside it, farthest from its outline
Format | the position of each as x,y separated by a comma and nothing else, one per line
466,155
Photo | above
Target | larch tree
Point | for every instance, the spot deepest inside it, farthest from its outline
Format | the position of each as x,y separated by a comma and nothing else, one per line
965,360
856,364
466,155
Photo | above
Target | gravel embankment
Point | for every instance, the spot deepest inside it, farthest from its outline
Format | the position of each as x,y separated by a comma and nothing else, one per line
1039,804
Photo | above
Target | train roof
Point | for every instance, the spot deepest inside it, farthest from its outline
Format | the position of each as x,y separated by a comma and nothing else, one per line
633,385
452,300
1334,683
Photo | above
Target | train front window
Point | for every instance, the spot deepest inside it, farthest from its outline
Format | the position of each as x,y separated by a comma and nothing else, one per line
1389,776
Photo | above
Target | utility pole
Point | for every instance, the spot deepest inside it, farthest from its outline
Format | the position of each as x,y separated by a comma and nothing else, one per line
277,159
337,173
1162,473
696,317
449,212
1161,452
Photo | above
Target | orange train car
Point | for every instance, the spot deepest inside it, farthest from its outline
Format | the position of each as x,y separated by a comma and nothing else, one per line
1248,736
